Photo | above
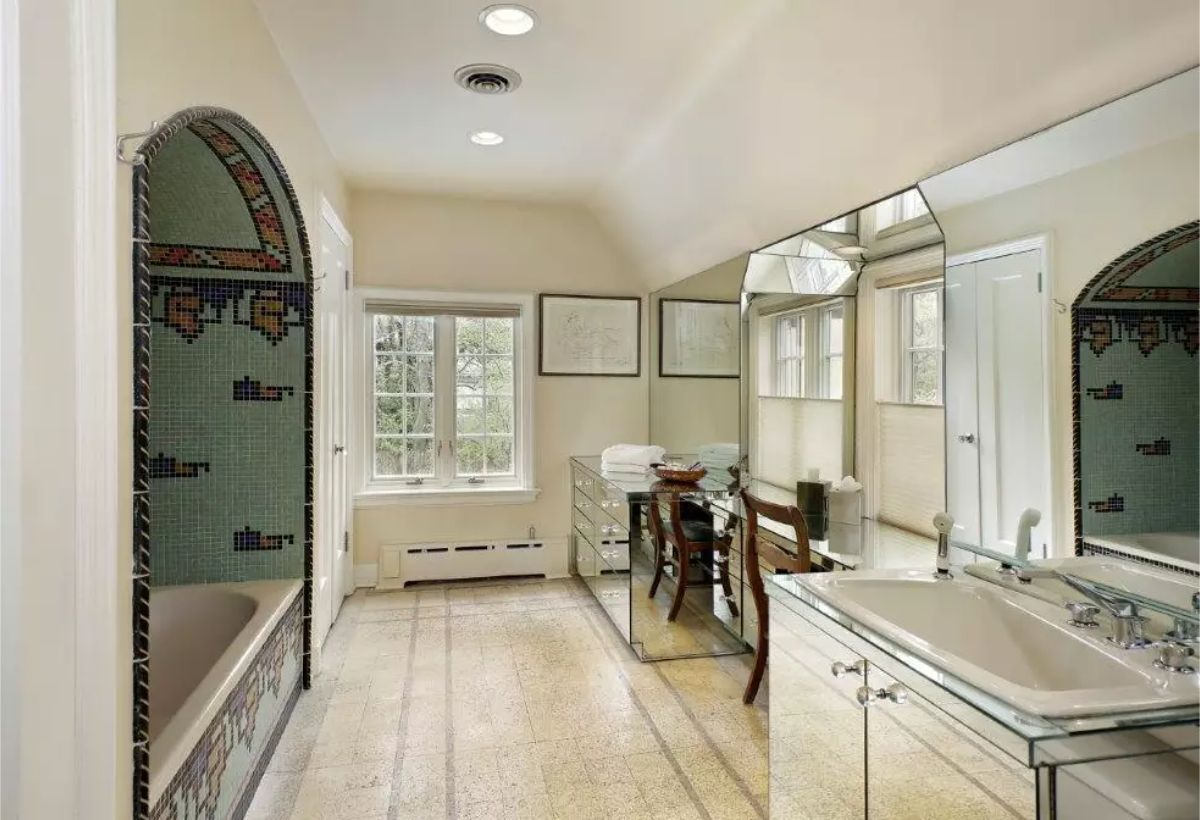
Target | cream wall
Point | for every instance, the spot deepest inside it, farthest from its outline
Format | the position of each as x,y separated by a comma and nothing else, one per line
1093,216
173,54
459,244
685,413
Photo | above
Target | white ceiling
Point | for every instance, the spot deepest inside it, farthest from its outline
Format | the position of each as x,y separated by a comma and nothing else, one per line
699,129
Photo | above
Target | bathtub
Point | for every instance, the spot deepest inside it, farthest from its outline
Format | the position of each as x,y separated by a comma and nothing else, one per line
224,671
1179,549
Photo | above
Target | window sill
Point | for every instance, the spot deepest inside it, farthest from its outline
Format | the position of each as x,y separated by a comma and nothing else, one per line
443,496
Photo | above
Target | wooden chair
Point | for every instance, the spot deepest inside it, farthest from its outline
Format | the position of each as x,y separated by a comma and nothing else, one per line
689,538
755,551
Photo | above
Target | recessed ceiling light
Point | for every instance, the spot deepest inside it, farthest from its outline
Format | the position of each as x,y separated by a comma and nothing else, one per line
486,138
508,19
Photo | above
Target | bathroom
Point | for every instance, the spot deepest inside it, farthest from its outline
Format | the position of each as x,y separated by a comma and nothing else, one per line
318,522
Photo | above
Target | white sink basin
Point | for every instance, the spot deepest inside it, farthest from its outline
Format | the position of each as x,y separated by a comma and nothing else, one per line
1015,647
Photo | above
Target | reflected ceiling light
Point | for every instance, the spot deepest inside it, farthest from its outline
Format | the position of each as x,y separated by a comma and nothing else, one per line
486,138
508,19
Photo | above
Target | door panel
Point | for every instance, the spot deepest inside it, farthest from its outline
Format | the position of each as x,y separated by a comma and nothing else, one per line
333,575
995,400
1011,425
962,405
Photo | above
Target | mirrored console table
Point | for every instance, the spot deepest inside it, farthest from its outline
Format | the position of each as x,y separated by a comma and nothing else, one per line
616,555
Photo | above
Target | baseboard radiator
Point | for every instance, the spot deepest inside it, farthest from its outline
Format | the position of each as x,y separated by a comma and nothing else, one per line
402,564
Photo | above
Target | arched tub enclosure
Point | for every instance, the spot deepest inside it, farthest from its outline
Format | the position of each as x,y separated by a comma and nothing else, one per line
1136,395
223,482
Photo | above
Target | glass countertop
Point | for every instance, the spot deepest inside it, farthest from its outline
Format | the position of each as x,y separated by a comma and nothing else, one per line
1042,740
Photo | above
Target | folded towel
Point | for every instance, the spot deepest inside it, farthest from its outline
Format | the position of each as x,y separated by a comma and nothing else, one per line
633,455
622,470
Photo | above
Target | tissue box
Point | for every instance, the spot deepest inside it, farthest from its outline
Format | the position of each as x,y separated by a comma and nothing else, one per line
845,506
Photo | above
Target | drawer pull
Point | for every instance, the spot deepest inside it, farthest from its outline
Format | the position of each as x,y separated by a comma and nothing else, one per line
897,693
840,669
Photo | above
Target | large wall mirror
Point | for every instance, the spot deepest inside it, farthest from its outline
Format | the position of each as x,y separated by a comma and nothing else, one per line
1071,332
842,333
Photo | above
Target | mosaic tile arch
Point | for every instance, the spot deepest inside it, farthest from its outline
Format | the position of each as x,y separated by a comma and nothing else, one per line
223,376
1136,392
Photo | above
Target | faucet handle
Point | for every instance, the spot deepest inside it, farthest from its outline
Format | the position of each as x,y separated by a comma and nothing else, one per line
1083,614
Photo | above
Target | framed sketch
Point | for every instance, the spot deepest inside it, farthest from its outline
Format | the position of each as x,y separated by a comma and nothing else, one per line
589,335
699,339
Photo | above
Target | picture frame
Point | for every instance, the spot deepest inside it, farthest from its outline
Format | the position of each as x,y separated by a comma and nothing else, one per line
585,335
699,339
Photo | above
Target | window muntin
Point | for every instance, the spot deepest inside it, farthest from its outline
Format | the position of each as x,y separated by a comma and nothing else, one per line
922,345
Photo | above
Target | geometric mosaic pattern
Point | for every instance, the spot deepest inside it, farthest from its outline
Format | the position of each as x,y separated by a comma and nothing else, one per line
223,475
212,780
1136,336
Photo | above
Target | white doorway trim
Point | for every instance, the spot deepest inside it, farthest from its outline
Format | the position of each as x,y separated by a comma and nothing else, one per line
1043,244
10,408
99,663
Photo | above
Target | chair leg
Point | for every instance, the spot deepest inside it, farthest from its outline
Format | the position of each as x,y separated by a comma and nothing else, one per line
680,582
726,586
660,561
760,664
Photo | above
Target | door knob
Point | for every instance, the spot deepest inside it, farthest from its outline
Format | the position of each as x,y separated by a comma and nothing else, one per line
969,438
897,693
839,669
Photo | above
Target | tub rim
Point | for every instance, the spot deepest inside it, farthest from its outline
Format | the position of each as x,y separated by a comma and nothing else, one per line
179,737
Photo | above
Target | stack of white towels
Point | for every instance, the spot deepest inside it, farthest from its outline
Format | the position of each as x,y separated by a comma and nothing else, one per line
631,459
718,458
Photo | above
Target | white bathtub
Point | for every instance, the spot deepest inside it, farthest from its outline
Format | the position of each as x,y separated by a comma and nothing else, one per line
203,637
1180,549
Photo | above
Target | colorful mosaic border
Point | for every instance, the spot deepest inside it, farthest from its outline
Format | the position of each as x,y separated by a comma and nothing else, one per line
1162,307
144,461
198,783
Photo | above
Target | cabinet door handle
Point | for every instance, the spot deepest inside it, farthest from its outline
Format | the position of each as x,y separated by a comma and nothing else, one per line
968,438
840,669
897,693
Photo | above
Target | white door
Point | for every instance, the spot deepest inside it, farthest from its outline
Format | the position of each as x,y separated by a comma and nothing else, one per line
332,566
996,427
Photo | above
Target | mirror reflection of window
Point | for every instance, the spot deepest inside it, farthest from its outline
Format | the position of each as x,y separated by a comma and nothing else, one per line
901,208
832,348
922,354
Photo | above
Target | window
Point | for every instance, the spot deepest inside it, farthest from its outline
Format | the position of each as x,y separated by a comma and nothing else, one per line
901,208
832,342
789,355
921,348
447,398
807,352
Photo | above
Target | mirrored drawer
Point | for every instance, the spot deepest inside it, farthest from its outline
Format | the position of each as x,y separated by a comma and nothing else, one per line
616,508
584,483
586,506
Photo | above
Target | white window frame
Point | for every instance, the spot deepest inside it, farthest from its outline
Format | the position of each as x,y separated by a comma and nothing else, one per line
826,354
813,378
894,207
520,488
906,348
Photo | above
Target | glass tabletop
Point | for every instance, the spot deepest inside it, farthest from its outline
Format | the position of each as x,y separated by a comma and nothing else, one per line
639,487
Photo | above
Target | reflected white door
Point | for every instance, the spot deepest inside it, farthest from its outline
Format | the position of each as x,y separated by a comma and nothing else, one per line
996,427
332,566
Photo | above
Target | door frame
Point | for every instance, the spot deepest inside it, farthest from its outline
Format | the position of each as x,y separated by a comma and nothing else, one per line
330,217
1043,244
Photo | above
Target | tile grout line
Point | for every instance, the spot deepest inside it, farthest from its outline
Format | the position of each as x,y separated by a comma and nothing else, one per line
588,609
451,802
724,761
402,721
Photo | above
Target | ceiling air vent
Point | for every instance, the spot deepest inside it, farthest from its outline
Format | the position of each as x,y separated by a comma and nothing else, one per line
486,78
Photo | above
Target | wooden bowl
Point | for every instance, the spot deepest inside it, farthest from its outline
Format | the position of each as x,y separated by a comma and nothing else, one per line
680,476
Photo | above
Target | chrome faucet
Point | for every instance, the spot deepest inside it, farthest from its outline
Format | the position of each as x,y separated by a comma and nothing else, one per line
1128,625
944,524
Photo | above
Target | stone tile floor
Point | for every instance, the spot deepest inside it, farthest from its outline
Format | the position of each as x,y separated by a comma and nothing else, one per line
511,700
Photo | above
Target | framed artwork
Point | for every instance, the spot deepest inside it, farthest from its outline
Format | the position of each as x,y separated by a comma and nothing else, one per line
589,335
699,339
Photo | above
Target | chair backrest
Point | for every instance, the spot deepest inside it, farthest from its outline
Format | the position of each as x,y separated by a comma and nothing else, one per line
756,549
658,530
